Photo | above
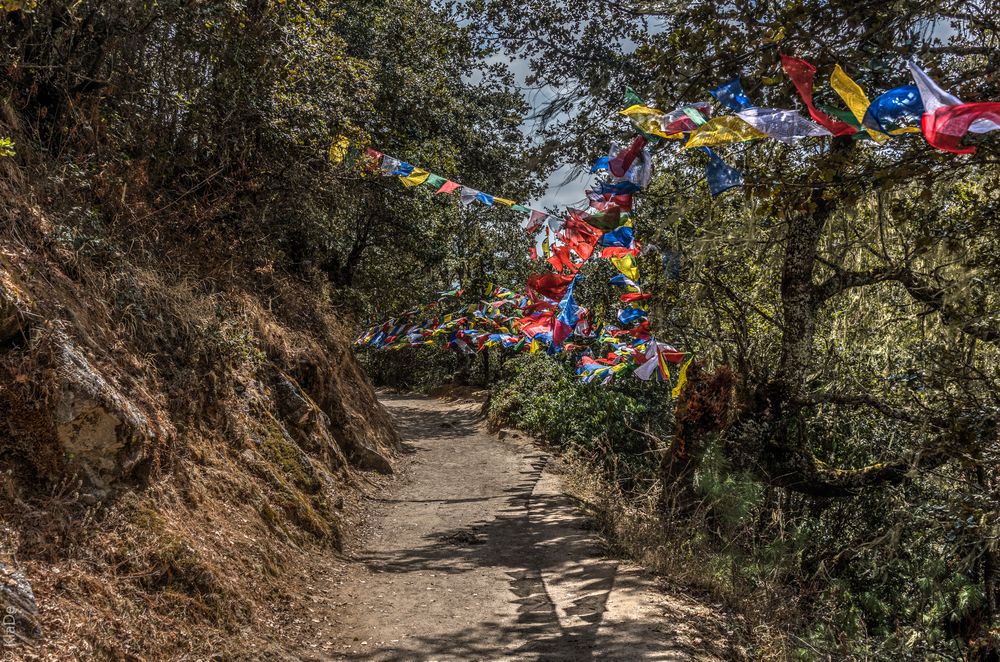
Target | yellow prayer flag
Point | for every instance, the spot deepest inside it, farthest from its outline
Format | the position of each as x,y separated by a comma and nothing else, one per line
721,131
338,150
626,264
505,201
535,346
415,178
637,109
855,98
681,379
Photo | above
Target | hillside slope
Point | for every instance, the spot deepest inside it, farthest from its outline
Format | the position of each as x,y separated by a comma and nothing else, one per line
179,430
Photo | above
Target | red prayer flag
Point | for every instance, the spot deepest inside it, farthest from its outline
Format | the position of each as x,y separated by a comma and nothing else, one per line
549,285
618,251
802,74
622,161
946,127
449,187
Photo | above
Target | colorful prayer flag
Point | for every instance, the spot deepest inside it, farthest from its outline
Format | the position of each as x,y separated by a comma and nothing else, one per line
802,75
855,98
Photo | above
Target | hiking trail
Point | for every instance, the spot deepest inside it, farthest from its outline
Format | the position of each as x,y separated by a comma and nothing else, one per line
476,553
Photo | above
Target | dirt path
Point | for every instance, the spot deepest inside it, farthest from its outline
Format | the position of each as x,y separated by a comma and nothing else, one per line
479,556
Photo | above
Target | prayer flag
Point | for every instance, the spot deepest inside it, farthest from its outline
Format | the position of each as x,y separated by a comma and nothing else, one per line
891,110
549,285
731,96
468,195
629,315
681,379
403,169
855,98
723,130
415,178
626,265
434,180
622,161
802,75
784,125
720,176
623,237
449,187
389,164
569,315
946,126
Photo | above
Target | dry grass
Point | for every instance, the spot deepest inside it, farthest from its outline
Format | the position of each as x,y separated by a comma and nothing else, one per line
677,549
204,549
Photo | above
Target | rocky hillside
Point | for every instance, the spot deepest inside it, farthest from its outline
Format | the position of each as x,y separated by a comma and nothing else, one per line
179,432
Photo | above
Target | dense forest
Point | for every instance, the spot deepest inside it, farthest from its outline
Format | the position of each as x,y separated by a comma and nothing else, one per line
197,225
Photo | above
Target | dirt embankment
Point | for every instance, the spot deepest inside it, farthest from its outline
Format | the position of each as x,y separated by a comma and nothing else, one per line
182,430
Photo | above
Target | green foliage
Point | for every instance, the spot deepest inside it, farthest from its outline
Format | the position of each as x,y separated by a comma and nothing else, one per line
862,458
6,146
616,426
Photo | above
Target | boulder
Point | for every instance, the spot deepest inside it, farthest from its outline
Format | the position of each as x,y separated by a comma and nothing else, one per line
18,609
101,431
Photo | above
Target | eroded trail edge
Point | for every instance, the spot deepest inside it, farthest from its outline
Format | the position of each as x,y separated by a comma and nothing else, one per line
478,554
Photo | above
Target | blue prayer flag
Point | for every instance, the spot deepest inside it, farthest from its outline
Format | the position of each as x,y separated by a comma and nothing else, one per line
720,176
731,96
404,169
894,109
629,315
621,237
617,188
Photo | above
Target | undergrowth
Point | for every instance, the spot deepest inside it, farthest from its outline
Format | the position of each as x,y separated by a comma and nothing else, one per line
761,552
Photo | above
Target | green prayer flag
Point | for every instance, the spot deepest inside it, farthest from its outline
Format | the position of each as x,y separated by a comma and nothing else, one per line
695,116
521,208
633,99
842,115
435,180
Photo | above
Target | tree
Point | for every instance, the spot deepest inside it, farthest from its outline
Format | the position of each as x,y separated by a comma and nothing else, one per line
851,289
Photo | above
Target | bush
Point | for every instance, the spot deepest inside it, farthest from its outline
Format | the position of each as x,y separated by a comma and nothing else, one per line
618,426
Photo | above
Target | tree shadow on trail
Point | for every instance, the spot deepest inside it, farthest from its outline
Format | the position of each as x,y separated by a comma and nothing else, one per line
557,578
530,536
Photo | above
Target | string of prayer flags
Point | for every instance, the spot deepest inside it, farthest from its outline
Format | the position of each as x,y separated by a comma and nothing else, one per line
654,366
